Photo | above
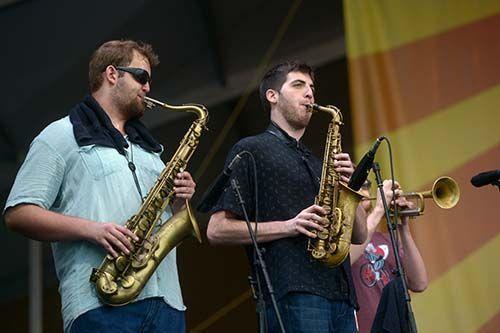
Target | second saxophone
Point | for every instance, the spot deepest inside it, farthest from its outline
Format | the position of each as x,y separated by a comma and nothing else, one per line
332,245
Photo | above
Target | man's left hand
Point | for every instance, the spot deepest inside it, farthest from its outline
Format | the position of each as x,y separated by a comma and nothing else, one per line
343,165
184,189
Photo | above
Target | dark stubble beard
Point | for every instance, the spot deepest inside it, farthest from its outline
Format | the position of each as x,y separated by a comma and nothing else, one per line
137,108
293,117
129,105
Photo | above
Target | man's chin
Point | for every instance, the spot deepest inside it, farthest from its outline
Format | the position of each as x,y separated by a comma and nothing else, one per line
136,112
139,110
304,122
299,125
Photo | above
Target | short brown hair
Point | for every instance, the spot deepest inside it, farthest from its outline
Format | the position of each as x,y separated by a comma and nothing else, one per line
276,76
116,53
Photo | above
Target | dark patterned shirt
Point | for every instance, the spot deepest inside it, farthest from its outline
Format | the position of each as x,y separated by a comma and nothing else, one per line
288,178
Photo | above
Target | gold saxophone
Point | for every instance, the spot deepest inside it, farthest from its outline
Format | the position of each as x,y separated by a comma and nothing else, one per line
332,245
120,280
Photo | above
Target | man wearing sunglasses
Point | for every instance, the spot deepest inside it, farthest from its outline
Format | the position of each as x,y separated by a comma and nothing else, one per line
84,176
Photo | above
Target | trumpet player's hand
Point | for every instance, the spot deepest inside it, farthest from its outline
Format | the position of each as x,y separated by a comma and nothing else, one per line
184,188
114,238
403,203
343,165
306,221
388,193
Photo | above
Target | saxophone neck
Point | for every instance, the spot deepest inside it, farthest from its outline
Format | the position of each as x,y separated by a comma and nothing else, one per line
198,109
330,109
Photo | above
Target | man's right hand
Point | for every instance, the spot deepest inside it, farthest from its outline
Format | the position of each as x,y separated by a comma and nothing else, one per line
113,237
309,219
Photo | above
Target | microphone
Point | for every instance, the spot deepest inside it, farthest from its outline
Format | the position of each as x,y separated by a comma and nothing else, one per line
361,172
485,178
213,194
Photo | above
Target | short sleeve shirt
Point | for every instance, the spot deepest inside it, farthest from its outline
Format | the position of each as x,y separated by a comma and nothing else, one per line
371,273
288,176
94,183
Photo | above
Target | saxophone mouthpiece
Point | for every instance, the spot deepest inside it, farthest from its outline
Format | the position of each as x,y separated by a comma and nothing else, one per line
151,103
312,107
318,108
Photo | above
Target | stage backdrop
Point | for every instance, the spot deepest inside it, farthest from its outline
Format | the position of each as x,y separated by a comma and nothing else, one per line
426,74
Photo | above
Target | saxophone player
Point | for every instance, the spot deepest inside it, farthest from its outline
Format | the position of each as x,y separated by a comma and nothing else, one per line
311,297
83,176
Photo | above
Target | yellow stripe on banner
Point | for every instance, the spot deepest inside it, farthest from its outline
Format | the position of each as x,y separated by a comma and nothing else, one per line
380,25
441,142
465,298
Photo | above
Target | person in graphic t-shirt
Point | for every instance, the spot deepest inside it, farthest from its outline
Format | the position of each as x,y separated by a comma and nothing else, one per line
373,262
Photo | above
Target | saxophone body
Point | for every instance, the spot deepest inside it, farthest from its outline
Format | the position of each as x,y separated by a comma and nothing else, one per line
331,246
119,280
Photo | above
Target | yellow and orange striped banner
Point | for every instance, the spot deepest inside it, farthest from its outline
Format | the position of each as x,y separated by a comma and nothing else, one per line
426,74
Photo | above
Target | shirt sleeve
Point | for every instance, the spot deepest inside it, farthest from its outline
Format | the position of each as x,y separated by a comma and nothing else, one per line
243,174
39,178
387,238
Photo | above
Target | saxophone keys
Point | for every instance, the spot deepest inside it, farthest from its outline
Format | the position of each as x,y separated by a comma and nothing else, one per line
158,202
318,253
121,263
106,284
143,225
109,289
323,234
128,281
140,234
333,247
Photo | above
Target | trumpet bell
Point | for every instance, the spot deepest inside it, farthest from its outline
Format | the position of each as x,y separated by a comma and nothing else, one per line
445,192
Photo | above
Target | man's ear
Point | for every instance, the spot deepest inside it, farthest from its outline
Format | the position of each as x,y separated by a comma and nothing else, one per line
111,75
272,96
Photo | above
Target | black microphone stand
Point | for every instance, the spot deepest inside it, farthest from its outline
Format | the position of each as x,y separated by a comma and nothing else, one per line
260,262
400,273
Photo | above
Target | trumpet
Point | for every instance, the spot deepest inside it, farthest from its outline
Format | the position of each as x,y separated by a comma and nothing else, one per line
444,192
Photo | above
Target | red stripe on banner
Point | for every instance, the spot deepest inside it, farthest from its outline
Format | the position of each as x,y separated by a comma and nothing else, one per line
394,88
446,236
492,326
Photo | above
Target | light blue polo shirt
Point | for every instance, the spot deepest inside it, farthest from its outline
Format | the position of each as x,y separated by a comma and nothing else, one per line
95,183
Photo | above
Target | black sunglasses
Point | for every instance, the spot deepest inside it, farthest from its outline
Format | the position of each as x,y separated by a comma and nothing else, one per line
139,74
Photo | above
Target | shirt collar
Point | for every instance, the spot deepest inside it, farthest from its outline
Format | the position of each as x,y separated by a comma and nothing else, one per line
290,141
92,125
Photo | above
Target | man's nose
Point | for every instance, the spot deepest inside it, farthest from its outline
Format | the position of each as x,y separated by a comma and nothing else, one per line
309,94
